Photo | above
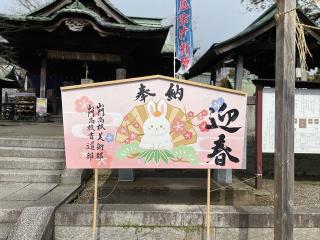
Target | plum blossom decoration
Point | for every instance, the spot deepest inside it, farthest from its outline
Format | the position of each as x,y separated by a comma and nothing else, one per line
178,126
81,104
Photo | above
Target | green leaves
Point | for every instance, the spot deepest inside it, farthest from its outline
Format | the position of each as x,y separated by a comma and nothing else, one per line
181,154
127,150
186,153
156,155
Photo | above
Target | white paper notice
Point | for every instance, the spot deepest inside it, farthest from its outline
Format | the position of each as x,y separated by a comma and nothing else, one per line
307,120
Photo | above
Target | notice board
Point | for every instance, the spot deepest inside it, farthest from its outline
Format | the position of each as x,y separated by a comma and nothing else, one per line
306,123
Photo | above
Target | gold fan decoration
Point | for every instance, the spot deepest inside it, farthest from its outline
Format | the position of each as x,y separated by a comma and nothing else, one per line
131,128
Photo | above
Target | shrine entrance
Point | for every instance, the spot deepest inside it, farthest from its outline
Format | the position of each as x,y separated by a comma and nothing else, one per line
80,41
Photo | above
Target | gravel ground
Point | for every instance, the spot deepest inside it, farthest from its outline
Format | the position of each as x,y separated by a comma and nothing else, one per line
86,196
306,192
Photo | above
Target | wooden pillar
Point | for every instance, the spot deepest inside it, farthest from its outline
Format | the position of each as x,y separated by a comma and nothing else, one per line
55,90
239,73
238,85
43,76
124,174
284,120
213,77
224,176
259,99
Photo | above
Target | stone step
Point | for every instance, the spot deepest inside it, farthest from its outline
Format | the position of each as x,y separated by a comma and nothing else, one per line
5,228
31,192
178,222
53,143
32,163
19,175
31,152
10,211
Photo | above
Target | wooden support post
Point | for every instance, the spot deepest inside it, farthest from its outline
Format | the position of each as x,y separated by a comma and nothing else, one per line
284,120
43,76
239,73
208,203
95,204
0,102
259,93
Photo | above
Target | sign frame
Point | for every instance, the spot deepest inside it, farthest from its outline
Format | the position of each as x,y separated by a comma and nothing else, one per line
233,94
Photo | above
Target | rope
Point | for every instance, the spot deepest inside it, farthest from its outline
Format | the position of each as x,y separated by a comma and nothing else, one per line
214,190
315,2
300,39
109,194
301,44
222,188
311,2
309,26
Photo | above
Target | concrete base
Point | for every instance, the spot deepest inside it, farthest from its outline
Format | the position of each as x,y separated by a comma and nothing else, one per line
223,176
178,222
126,175
43,118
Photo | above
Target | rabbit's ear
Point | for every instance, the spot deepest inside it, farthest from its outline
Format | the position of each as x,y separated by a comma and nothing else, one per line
151,107
162,107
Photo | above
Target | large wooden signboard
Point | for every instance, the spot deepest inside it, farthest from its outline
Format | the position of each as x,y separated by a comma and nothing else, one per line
307,120
153,122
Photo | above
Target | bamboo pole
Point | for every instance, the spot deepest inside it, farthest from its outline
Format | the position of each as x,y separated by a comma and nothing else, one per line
95,204
208,202
174,40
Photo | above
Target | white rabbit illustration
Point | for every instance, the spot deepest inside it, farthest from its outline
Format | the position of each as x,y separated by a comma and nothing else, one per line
156,128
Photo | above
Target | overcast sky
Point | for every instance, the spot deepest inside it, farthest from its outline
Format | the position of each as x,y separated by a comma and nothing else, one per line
214,20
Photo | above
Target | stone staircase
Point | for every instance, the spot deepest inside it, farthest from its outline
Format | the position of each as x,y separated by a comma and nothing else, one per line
29,169
31,160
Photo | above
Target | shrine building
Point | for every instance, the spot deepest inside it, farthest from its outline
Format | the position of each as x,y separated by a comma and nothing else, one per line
71,42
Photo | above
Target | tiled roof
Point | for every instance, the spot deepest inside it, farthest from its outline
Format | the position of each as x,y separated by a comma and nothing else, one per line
77,8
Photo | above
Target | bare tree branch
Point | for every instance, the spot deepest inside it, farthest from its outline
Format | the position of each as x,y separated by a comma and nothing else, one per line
309,7
29,4
253,5
7,53
25,6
